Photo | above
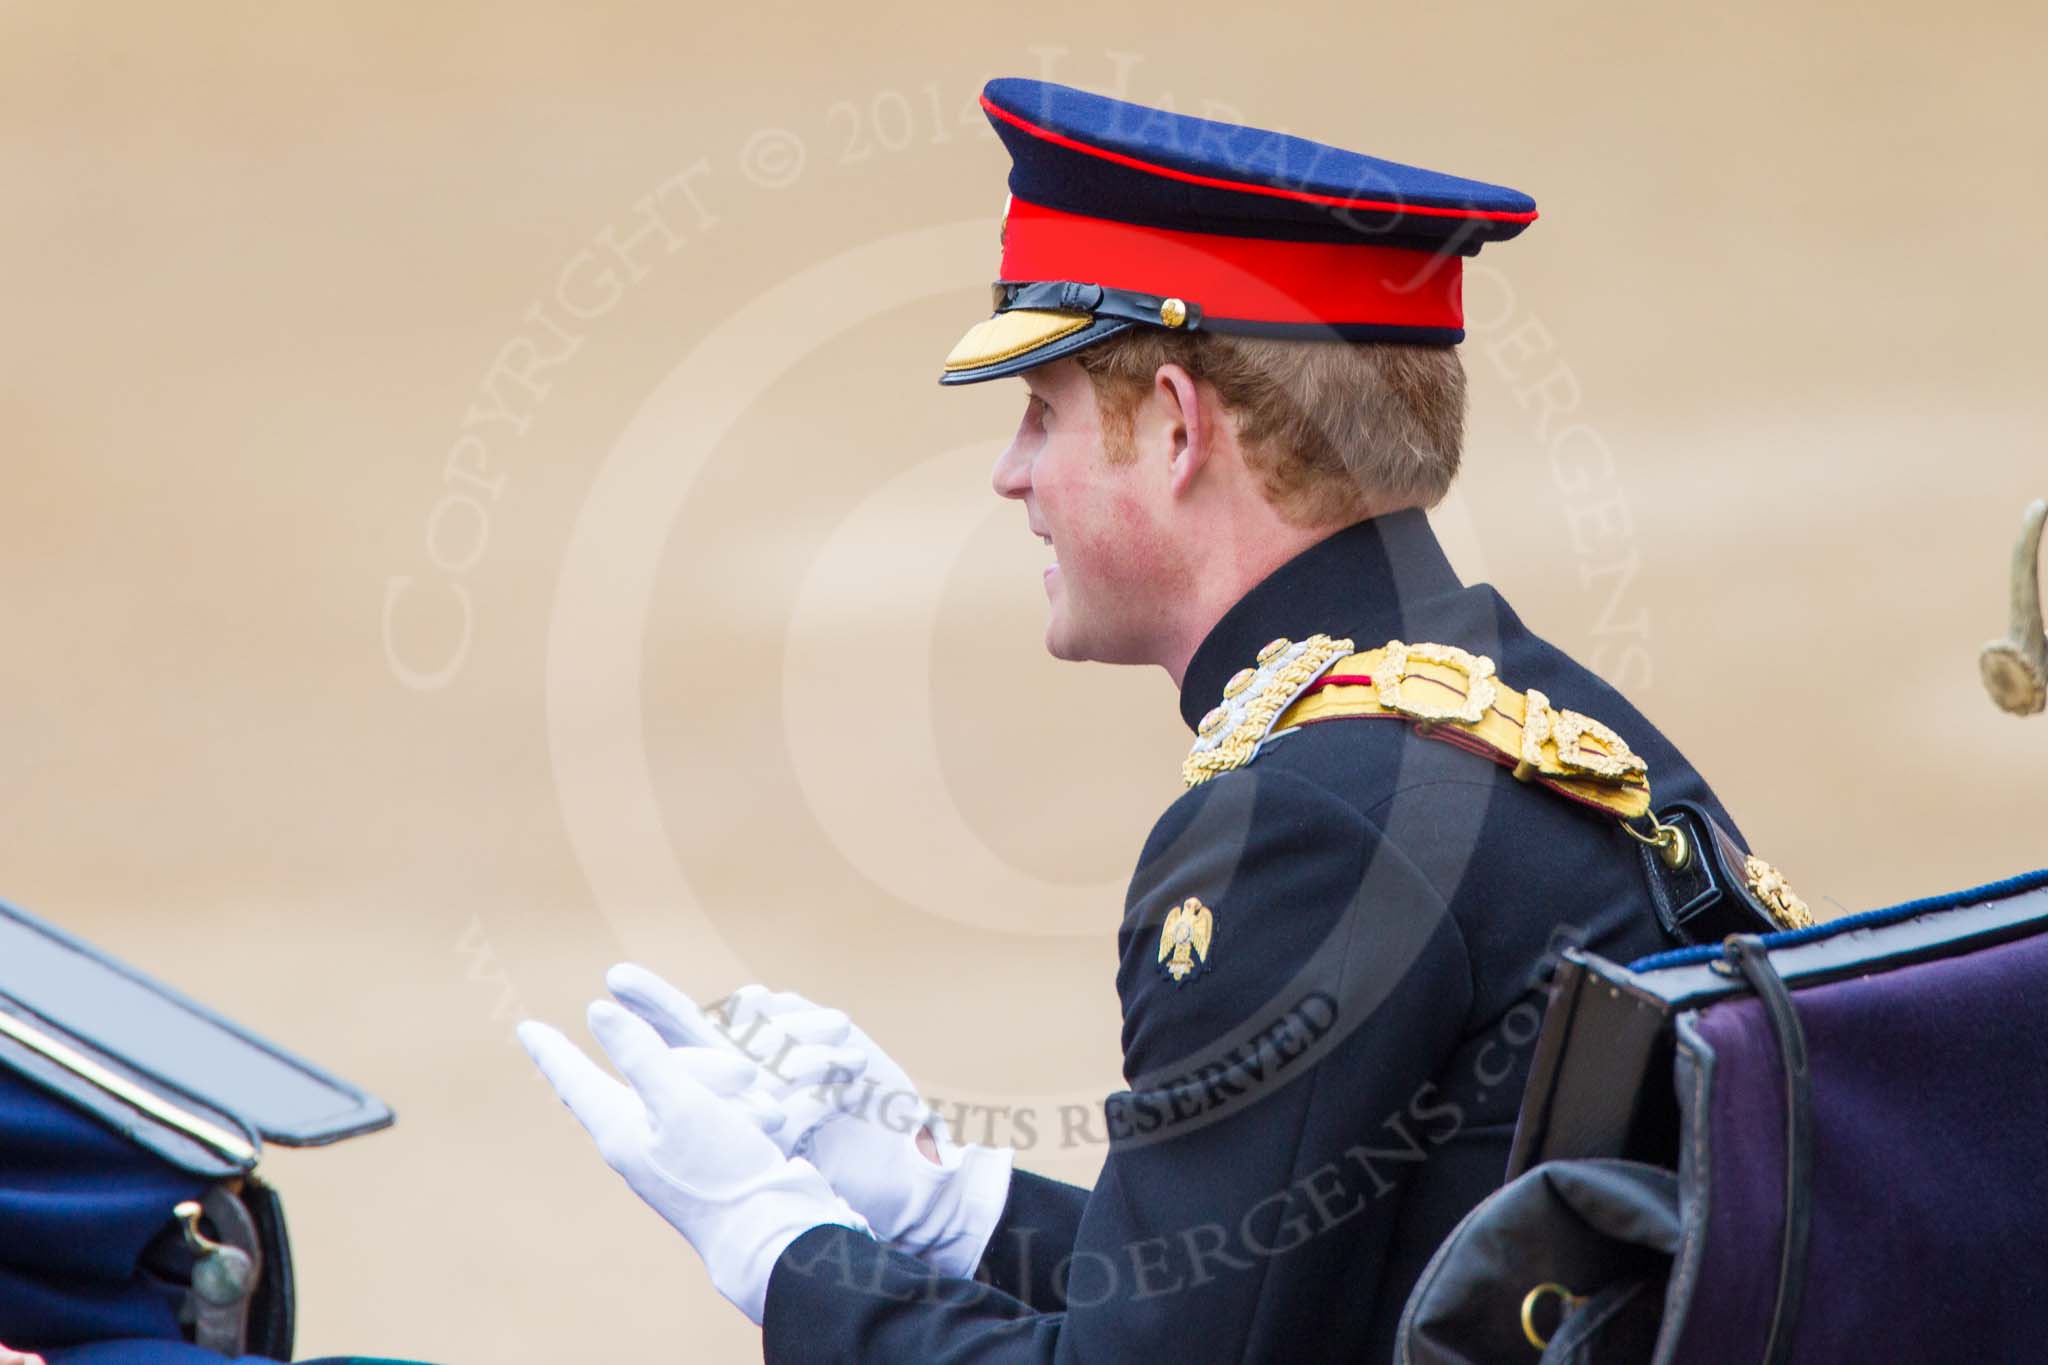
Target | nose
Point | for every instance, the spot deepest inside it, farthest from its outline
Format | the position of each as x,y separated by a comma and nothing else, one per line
1012,475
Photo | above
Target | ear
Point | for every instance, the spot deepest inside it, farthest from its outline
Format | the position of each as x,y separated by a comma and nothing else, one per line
1190,424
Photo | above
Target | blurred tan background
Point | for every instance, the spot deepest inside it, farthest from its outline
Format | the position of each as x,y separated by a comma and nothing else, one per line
422,591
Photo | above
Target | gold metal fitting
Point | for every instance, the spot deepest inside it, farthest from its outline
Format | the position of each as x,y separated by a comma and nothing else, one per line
1239,681
1173,313
1669,841
1768,885
1273,649
1212,722
1480,687
1568,1303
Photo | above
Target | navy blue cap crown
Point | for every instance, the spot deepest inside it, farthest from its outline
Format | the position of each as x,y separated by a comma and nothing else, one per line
1107,158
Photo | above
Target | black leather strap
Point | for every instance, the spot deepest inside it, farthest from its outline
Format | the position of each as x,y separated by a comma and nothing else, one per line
1746,954
1067,296
1706,899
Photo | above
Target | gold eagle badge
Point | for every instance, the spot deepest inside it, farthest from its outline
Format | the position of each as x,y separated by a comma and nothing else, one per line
1184,938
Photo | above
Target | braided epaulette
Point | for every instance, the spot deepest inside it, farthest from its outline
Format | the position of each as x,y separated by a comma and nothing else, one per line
1230,735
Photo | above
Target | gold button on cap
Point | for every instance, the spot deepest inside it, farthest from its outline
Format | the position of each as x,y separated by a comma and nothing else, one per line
1272,650
1239,681
1173,312
1212,722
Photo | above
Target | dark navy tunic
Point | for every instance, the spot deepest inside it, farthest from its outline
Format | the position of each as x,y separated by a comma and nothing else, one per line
1317,1102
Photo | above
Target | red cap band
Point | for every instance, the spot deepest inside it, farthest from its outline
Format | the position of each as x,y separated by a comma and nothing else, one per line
1247,279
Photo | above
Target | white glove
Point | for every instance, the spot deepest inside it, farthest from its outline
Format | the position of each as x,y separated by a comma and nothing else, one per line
862,1135
697,1159
806,1073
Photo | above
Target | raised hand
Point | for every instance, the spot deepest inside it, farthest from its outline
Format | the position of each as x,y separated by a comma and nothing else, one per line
696,1157
882,1147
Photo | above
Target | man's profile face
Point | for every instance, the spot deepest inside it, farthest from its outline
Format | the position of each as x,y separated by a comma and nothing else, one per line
1103,519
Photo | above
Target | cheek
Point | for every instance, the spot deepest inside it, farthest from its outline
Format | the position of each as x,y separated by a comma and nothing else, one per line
1105,523
1118,540
1131,527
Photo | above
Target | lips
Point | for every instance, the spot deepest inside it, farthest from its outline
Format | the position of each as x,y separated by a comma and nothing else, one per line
1046,536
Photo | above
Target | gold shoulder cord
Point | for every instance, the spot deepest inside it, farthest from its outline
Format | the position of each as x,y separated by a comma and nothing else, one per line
1453,695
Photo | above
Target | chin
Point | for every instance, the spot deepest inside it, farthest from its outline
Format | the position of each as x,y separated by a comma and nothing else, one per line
1063,641
1060,644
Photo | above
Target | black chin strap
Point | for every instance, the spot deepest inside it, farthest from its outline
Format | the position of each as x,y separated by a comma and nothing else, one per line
1067,296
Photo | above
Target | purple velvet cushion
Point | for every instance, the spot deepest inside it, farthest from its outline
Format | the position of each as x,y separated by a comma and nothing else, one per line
1930,1167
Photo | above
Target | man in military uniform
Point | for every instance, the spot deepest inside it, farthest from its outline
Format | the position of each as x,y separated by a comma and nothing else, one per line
1243,391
